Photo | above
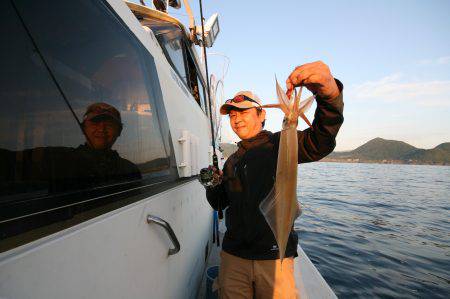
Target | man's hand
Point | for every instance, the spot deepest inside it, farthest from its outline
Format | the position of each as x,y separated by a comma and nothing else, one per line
316,76
217,176
210,176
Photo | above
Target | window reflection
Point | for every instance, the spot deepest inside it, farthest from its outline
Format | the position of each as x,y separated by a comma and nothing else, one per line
110,83
85,148
95,163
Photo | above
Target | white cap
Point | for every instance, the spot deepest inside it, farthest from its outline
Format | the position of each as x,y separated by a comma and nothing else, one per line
242,100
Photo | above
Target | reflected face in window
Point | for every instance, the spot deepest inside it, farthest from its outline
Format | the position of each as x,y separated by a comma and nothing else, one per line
101,133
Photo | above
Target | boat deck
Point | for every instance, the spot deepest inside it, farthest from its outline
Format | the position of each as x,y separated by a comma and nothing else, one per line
213,260
310,283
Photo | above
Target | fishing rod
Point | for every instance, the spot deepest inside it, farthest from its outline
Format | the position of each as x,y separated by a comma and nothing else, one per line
214,155
219,214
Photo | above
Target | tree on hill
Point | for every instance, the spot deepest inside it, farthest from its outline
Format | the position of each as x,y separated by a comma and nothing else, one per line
439,154
444,147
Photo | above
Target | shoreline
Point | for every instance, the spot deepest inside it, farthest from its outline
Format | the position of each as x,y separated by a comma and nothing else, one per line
397,162
362,161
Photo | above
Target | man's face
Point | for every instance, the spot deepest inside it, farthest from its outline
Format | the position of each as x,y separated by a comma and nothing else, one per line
246,123
101,134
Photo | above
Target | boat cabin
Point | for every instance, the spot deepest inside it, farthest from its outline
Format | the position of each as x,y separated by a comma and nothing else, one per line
104,128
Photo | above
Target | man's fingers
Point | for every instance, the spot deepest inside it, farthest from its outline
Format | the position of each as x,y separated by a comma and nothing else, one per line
316,76
310,79
307,76
289,92
293,74
289,85
319,65
292,77
301,72
306,65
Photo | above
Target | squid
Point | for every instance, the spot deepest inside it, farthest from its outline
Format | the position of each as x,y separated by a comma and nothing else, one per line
280,207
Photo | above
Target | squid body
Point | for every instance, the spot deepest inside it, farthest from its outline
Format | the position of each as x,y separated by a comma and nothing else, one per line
280,207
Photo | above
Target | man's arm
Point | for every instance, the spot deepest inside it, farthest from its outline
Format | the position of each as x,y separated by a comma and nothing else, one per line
320,140
316,143
216,195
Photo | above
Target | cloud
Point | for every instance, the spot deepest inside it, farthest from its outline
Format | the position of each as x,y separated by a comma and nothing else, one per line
393,89
444,60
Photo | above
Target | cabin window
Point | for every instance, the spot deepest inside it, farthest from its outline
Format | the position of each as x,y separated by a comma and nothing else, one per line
202,94
176,49
171,39
62,156
195,83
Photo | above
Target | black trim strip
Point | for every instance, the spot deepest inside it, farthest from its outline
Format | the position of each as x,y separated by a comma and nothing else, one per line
67,217
81,202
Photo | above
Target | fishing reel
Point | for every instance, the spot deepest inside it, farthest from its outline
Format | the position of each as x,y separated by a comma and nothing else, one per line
210,176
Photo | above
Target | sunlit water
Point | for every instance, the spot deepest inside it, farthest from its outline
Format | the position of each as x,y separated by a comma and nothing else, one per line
376,230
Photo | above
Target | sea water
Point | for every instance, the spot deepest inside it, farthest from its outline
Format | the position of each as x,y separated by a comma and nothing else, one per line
377,230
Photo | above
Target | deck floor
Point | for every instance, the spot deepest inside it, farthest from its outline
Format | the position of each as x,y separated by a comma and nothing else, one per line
213,260
309,282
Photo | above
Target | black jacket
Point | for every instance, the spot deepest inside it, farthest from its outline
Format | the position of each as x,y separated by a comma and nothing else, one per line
249,175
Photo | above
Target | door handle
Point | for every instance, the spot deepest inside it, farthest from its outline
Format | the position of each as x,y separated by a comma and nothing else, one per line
169,231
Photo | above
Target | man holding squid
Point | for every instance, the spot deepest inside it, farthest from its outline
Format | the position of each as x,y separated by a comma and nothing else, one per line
250,258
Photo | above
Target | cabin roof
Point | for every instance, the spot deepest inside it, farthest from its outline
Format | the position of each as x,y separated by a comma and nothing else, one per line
154,16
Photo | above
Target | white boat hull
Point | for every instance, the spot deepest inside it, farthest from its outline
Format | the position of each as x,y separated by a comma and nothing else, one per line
117,255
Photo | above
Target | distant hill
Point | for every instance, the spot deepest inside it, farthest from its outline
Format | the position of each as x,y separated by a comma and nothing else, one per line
392,151
380,150
444,146
439,154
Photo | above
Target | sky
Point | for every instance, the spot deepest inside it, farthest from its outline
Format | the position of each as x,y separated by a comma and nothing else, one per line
393,58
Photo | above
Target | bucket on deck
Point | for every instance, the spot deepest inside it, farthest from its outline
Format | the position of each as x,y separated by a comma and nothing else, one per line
211,274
